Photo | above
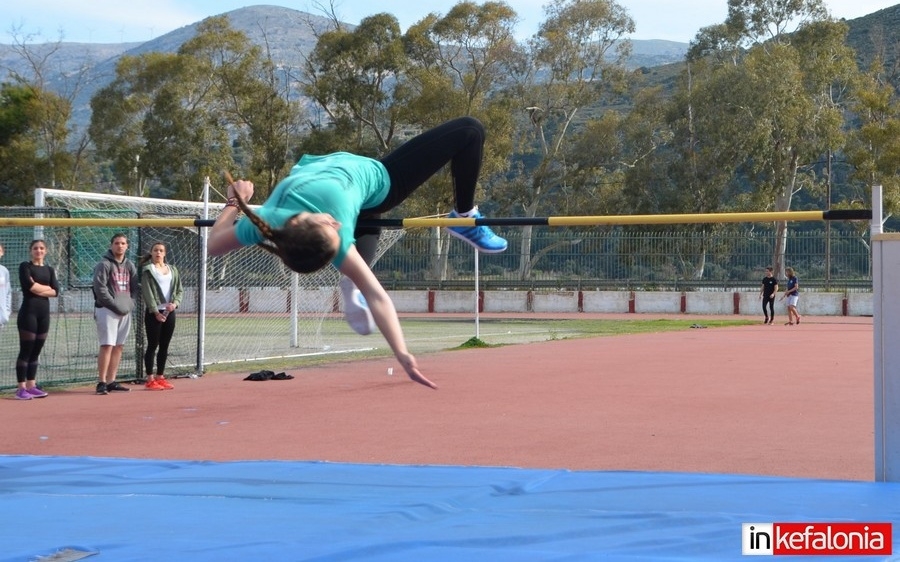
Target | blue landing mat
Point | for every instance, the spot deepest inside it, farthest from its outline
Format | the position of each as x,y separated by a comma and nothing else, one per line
126,509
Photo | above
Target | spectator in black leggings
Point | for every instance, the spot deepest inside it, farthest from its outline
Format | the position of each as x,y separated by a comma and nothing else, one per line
767,294
162,292
38,282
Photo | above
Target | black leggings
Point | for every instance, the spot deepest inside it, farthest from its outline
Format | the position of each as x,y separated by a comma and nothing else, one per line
159,335
459,142
34,324
770,301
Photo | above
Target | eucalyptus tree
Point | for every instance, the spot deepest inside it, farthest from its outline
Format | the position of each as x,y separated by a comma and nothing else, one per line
156,123
175,119
696,167
29,157
118,111
248,100
61,148
874,147
575,59
460,61
460,64
20,161
377,87
776,76
354,76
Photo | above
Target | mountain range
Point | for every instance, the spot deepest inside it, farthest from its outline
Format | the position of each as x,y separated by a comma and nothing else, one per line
289,34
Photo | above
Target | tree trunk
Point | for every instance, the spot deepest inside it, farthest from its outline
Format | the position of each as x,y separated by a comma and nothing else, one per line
525,253
780,247
525,245
437,243
783,204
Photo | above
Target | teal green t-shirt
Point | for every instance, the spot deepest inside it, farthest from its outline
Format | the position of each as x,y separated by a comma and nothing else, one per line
340,184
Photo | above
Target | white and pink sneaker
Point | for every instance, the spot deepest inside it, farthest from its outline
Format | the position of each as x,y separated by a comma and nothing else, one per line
356,309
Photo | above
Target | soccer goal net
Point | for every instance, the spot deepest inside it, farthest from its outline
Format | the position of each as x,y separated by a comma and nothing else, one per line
240,307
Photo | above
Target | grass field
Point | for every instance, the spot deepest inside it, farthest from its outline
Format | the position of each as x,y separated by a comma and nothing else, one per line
426,335
71,351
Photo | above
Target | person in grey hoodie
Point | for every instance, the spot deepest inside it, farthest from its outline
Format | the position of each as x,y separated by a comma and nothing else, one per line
116,287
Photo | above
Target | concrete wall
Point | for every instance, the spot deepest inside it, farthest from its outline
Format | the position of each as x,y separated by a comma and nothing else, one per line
660,302
505,301
709,303
410,301
452,301
606,301
860,304
554,301
232,300
224,300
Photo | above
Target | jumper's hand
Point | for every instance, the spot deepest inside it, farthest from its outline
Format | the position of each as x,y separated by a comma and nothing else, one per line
241,189
412,370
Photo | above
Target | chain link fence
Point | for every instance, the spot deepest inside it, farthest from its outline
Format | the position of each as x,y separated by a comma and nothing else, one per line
602,258
631,258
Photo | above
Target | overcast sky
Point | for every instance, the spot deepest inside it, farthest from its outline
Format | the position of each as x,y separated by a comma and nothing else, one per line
116,21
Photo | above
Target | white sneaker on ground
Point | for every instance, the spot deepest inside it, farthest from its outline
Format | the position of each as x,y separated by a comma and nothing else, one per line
356,309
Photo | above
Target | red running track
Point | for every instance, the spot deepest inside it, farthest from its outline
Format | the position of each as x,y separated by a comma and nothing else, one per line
762,400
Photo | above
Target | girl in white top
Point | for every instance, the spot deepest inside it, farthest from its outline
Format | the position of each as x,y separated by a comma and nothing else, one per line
162,293
5,294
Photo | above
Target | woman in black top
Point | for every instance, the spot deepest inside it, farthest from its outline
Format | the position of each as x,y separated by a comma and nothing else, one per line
38,282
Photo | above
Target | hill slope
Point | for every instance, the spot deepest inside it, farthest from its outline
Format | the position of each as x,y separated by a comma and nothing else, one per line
290,34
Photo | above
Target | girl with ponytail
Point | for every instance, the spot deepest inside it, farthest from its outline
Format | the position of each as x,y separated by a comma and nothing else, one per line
310,218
